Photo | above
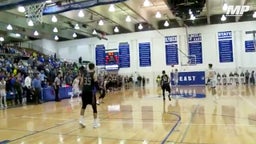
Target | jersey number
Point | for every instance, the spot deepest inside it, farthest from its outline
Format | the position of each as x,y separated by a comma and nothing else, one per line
87,81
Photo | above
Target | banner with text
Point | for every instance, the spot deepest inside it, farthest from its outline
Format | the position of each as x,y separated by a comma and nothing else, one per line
171,50
195,47
225,47
124,55
100,55
144,54
191,78
250,46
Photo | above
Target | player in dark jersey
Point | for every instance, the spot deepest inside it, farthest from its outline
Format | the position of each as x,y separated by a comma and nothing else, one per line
88,84
165,84
102,89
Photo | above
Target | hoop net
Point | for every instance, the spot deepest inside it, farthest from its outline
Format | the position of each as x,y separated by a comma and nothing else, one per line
34,12
188,60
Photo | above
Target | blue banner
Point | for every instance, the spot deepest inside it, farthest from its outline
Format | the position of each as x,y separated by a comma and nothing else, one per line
191,78
100,55
144,54
225,46
171,50
250,46
195,47
124,55
55,9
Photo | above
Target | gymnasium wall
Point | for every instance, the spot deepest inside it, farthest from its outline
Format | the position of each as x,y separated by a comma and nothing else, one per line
210,54
45,46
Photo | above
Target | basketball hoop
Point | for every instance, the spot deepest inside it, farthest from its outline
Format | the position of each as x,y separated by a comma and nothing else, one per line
188,60
34,12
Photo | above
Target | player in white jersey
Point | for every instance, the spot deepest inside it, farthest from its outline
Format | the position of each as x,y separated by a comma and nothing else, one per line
76,88
3,103
212,78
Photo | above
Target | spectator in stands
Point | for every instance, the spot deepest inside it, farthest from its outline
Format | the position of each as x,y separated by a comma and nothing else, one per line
27,88
143,81
247,76
3,103
36,84
18,88
57,85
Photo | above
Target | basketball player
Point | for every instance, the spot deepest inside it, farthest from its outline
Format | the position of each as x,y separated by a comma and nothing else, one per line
102,90
3,103
88,81
212,78
75,87
165,84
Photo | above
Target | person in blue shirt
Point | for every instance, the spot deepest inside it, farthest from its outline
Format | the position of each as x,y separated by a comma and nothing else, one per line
36,85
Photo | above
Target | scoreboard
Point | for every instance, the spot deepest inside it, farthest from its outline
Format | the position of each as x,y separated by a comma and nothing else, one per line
111,61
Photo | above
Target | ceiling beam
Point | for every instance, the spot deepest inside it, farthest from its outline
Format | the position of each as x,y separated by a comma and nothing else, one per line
208,11
21,21
82,31
243,2
117,17
142,14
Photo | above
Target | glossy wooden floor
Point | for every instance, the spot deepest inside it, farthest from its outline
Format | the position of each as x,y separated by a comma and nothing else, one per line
139,116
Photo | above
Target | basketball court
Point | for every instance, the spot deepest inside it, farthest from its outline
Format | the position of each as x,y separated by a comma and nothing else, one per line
134,40
139,116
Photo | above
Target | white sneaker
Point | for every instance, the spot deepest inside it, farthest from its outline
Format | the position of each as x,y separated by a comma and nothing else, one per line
82,123
96,124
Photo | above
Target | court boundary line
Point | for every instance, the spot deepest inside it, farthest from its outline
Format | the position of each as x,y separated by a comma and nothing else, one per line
248,102
36,132
173,128
189,124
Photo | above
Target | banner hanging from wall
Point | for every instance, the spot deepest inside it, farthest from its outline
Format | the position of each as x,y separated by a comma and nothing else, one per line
144,54
195,47
171,50
100,55
225,47
250,46
124,55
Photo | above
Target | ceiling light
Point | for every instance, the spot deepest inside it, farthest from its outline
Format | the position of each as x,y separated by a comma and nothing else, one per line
77,27
101,22
30,23
1,39
81,13
116,29
158,14
17,35
94,32
166,23
56,38
21,9
48,1
9,27
128,19
147,3
254,15
36,33
192,17
223,18
225,7
54,19
190,12
74,35
111,8
140,27
55,30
